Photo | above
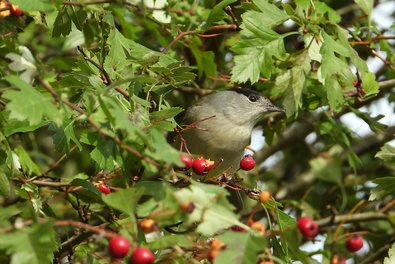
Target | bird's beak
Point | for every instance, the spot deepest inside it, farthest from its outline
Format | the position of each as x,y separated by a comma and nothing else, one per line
273,108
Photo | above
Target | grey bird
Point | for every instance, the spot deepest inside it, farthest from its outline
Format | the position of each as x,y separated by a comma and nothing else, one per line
222,125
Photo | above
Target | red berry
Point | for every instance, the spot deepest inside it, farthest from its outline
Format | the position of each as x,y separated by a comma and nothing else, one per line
354,243
103,188
188,161
16,11
247,163
118,246
307,227
142,256
201,166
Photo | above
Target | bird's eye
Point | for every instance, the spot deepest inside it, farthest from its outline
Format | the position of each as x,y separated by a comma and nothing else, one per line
253,98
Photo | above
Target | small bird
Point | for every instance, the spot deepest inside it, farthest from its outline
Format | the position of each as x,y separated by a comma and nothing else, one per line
221,125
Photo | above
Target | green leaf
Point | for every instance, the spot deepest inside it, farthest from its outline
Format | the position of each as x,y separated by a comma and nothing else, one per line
93,192
170,241
33,109
334,93
116,58
260,25
160,148
366,5
386,153
62,25
77,15
124,200
33,245
240,248
13,126
247,68
63,135
291,84
218,13
29,6
285,221
274,16
165,113
385,186
212,212
391,255
28,165
370,85
4,185
104,154
205,61
258,44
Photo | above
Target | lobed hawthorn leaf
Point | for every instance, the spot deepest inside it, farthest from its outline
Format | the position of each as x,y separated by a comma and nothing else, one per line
118,46
258,44
104,154
205,61
385,186
325,14
62,25
77,15
64,135
27,164
391,255
13,126
124,200
170,241
274,16
386,153
159,149
334,72
240,248
33,245
291,84
212,212
33,110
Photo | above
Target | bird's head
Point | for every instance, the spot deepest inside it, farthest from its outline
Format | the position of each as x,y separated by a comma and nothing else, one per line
244,106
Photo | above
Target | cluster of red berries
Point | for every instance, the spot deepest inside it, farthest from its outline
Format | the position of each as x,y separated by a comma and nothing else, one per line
200,166
119,247
309,229
13,9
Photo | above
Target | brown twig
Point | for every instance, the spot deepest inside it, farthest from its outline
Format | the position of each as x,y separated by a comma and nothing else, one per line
96,229
107,80
89,3
97,65
182,34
